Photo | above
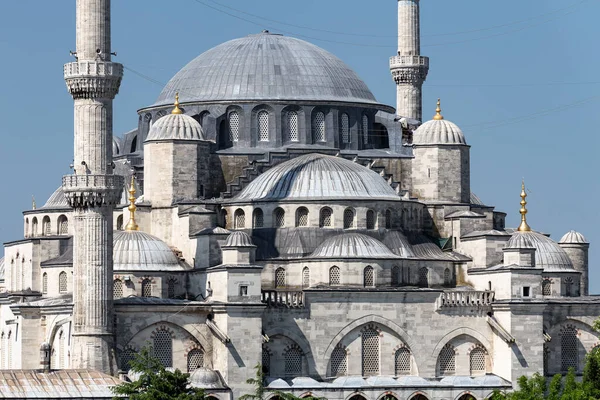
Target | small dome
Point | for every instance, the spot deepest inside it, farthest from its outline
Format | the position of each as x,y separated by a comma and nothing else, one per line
57,200
318,176
548,254
438,132
204,378
352,245
139,251
175,127
239,239
573,237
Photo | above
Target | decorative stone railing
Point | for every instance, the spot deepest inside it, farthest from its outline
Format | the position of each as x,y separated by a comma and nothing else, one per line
465,299
92,190
409,61
93,79
290,299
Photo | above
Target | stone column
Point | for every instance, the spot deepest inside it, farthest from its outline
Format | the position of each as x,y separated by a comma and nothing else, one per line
93,191
409,68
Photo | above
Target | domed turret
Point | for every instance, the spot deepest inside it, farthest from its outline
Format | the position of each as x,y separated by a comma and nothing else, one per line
176,126
438,131
239,249
239,239
577,248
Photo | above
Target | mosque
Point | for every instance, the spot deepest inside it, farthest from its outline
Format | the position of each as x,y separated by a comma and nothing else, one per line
268,210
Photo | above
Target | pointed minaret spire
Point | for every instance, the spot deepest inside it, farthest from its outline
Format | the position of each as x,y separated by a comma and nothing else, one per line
524,227
132,225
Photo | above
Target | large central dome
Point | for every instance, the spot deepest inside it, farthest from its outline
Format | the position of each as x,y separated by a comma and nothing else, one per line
266,67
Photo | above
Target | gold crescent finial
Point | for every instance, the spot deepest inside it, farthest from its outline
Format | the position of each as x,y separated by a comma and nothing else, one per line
438,112
524,227
132,225
177,110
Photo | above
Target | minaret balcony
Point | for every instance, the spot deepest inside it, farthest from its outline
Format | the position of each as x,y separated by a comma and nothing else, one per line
409,61
92,190
93,79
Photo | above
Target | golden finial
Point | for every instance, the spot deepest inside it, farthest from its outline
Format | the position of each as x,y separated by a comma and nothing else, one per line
177,110
438,116
132,225
33,206
524,227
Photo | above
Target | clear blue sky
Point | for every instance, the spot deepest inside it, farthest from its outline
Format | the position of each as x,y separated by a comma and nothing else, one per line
492,62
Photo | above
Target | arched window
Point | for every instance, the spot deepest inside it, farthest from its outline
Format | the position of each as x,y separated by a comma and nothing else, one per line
305,277
163,347
320,127
133,145
120,222
547,287
365,129
395,276
26,227
63,225
126,357
370,219
279,217
302,216
424,277
46,228
339,362
234,126
293,361
568,287
266,361
62,282
117,289
292,126
447,361
263,126
34,226
348,218
334,276
224,218
477,361
280,277
239,219
345,127
402,361
258,218
325,217
369,276
370,352
447,277
569,348
45,283
146,288
388,219
195,360
171,288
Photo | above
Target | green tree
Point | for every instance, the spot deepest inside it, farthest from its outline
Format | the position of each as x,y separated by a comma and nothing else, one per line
560,388
155,382
260,392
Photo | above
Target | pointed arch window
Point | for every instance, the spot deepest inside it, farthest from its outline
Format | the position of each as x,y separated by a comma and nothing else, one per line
163,347
302,217
171,288
339,362
402,361
447,361
424,277
325,217
293,361
63,225
279,217
305,277
46,228
370,352
547,287
388,219
195,360
34,226
292,126
26,227
117,289
320,127
370,219
345,128
126,357
348,218
45,283
239,219
258,218
146,288
120,222
62,282
280,278
477,361
395,275
334,276
263,126
369,276
569,347
234,126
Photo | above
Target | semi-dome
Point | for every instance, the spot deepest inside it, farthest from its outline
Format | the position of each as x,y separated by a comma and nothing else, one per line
573,237
239,239
398,244
139,251
57,200
548,254
205,378
318,176
266,67
352,245
438,131
176,126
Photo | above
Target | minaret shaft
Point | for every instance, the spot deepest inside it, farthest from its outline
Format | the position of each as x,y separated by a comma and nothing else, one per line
93,191
409,68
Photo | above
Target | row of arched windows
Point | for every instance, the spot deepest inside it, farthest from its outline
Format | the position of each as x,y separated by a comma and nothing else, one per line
62,282
62,226
118,288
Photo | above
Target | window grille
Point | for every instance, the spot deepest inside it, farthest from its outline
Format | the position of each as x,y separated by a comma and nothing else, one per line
46,228
369,278
325,218
395,276
305,277
63,225
279,218
117,289
365,127
146,288
240,219
171,288
45,283
62,282
302,216
547,287
402,361
388,219
447,277
447,361
292,122
477,361
258,218
266,361
568,286
348,218
163,348
195,360
345,128
234,126
339,363
569,345
34,229
280,277
127,356
334,276
424,277
370,352
293,361
320,127
370,219
263,126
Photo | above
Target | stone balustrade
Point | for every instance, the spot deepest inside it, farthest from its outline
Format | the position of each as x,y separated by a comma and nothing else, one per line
93,79
289,299
409,61
472,298
92,190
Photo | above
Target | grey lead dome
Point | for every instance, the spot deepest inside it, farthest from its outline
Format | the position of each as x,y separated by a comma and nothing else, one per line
266,67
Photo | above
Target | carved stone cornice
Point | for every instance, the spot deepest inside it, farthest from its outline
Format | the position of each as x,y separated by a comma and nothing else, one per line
87,191
93,79
409,69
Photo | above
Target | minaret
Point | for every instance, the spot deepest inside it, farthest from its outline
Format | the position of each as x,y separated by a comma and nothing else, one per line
93,191
409,68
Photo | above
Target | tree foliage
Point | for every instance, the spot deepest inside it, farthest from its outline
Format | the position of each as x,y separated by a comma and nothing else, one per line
260,393
155,382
